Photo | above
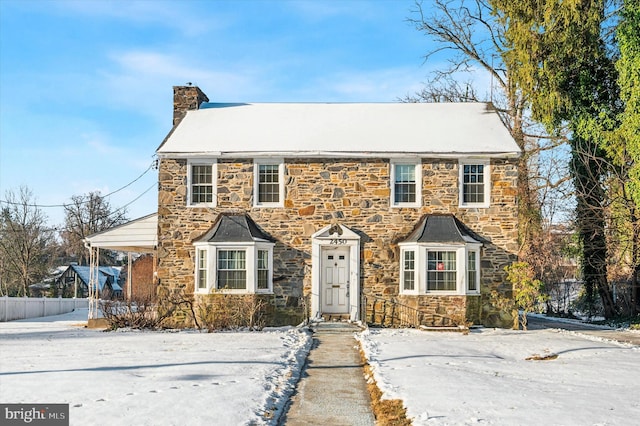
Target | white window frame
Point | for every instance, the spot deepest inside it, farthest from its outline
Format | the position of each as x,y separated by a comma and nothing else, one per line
421,274
416,270
417,163
251,264
202,255
476,251
457,251
486,182
256,174
214,181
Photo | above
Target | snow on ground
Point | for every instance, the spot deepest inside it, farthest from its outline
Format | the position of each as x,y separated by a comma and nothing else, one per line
484,377
191,378
149,378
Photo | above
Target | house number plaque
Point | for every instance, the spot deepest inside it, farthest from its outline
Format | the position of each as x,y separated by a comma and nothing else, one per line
337,241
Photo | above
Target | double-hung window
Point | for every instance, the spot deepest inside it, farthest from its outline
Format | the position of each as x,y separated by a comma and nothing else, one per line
408,271
441,270
202,268
232,269
268,183
475,180
473,277
201,181
237,268
406,183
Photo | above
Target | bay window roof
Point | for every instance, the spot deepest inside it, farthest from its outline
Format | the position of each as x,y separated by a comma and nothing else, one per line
234,228
442,228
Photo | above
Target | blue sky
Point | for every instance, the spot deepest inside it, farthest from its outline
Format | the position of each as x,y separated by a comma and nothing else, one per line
86,86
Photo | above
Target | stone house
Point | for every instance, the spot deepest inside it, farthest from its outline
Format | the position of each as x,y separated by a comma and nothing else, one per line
333,208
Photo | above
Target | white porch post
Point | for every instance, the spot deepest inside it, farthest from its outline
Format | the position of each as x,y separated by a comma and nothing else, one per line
94,291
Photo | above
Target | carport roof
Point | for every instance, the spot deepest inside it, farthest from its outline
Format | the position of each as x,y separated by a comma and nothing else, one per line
139,235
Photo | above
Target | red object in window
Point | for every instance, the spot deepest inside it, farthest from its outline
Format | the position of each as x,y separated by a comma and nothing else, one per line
440,266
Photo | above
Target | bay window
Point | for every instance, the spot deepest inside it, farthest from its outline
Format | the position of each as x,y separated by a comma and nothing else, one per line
234,268
439,269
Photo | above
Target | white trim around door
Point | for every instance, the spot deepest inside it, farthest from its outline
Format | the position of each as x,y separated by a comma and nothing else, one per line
335,241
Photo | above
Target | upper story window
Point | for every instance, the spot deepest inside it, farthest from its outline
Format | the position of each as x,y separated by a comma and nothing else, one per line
475,180
406,185
201,178
269,183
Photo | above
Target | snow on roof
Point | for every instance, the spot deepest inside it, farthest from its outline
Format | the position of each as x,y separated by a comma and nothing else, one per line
139,235
340,129
105,271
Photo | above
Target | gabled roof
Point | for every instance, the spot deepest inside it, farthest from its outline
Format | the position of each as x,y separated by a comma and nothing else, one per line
340,129
442,228
139,235
104,273
234,228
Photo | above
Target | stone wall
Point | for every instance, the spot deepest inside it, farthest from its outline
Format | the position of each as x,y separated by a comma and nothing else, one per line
352,192
186,98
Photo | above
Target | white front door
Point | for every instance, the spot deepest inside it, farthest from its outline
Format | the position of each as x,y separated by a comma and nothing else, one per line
335,280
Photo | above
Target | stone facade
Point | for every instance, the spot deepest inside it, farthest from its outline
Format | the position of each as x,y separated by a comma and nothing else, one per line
354,193
186,98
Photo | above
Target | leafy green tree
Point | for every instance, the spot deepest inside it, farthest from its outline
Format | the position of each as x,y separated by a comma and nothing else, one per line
25,243
527,290
561,64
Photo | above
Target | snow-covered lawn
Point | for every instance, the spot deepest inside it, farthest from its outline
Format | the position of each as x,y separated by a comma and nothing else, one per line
484,377
149,378
192,378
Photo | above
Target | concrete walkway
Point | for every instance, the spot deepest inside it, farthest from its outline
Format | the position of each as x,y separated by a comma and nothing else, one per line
332,388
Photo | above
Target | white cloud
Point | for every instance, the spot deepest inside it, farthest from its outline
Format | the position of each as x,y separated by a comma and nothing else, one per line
175,15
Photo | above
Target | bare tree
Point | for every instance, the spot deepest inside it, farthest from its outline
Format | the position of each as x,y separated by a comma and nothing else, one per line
473,40
25,243
87,215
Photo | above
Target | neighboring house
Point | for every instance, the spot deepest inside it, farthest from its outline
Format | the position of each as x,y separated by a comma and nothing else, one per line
74,281
339,204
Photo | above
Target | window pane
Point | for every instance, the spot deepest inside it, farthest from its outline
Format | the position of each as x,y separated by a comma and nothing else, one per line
201,184
263,269
405,183
441,271
232,272
409,270
268,183
473,183
472,273
202,269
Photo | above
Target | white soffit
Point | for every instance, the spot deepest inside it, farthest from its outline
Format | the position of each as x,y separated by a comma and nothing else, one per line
321,129
139,235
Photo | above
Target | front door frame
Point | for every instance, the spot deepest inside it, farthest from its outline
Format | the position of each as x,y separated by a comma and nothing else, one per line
335,236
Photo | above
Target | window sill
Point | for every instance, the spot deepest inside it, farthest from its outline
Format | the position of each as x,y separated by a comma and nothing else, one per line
202,205
474,206
405,206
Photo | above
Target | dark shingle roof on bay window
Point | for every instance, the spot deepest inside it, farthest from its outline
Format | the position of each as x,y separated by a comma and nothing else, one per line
234,228
442,228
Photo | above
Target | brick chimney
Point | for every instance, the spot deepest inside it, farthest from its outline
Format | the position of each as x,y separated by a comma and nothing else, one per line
186,98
